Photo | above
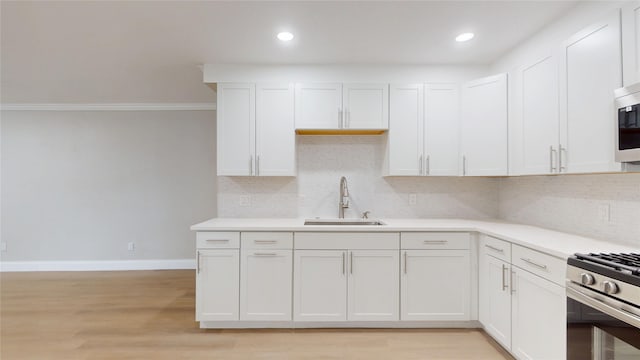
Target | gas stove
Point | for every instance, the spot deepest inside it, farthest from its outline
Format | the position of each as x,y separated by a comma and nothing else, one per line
613,275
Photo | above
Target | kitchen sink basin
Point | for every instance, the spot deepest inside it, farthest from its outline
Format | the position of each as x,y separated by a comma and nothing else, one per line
343,222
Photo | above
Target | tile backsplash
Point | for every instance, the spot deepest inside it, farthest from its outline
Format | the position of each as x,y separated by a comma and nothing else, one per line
322,160
605,206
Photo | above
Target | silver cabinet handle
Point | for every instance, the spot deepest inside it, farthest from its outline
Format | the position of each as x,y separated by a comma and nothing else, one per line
347,118
265,241
257,165
504,278
251,165
197,262
530,262
420,165
340,119
405,262
464,165
427,242
264,254
344,266
218,240
561,167
427,165
351,262
513,284
494,248
552,155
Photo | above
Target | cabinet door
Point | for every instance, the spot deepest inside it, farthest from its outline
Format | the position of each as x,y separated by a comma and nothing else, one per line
484,126
538,114
435,285
592,71
539,317
366,106
275,130
495,299
373,285
631,42
320,285
218,285
441,129
265,285
405,137
318,106
236,129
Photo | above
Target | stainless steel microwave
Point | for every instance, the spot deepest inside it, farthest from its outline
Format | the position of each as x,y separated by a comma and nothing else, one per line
627,101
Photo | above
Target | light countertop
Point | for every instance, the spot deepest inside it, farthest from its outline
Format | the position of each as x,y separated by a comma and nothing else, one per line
554,243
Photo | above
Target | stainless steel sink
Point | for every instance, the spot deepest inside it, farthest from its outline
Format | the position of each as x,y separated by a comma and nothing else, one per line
343,222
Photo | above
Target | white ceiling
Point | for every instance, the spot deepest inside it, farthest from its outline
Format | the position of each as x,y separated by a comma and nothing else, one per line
127,51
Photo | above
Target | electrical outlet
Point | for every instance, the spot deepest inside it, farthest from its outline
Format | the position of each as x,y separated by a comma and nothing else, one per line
3,246
604,213
245,200
131,246
413,199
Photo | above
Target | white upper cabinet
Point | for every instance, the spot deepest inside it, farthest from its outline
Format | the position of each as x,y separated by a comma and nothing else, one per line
256,130
275,135
537,113
236,115
332,106
631,42
318,106
441,129
405,139
484,126
591,70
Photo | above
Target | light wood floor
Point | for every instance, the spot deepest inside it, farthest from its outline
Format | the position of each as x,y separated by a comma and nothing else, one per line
150,315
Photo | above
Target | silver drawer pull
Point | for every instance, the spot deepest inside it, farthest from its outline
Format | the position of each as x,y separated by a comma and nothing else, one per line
218,240
495,248
265,254
265,241
435,241
528,261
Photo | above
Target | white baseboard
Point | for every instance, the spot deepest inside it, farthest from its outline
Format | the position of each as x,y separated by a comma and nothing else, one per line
102,265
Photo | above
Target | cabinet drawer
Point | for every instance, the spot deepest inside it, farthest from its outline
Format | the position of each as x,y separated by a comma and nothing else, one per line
266,240
351,240
541,264
495,247
217,240
434,240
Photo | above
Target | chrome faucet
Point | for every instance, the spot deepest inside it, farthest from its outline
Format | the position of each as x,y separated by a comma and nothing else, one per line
344,197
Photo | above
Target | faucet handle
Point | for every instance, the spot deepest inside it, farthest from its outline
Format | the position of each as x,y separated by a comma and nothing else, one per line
365,215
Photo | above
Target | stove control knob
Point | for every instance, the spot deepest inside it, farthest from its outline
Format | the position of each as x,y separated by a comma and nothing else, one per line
587,279
610,287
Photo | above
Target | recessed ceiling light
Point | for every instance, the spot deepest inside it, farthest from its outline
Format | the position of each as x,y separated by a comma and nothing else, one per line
285,36
464,37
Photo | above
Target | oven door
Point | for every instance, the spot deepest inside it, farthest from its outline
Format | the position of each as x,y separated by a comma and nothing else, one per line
599,327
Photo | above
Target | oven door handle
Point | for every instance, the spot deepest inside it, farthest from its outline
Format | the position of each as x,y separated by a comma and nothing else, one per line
607,305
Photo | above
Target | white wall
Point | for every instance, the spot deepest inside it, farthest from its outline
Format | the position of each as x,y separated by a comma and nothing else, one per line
79,185
576,204
322,160
570,203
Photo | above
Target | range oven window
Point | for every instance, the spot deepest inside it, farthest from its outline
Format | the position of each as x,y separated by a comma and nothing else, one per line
629,127
592,334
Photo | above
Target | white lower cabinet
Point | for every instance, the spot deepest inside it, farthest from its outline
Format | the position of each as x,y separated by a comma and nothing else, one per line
523,310
539,317
340,285
373,285
435,285
217,285
495,299
320,285
265,285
